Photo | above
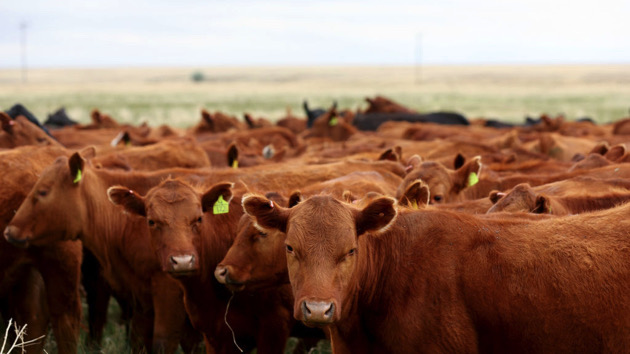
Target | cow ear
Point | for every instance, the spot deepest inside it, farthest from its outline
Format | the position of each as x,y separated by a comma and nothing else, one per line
388,155
88,152
393,154
495,195
459,161
131,201
96,116
206,117
295,198
232,156
76,164
616,152
217,198
416,195
268,215
601,148
543,205
468,174
413,162
249,120
7,122
376,216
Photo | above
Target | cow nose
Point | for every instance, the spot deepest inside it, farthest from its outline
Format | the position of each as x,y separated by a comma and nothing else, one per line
10,233
183,263
221,273
318,311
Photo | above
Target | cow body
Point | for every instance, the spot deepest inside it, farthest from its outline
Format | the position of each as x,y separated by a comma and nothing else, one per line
435,281
66,205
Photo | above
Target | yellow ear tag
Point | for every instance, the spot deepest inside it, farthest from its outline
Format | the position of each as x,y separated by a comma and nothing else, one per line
221,206
472,179
128,143
78,177
235,164
414,205
333,121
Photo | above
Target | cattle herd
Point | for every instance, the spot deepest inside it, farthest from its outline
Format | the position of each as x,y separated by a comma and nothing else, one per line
381,231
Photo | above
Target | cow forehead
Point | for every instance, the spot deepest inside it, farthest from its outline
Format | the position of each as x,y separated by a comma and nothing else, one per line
172,200
321,220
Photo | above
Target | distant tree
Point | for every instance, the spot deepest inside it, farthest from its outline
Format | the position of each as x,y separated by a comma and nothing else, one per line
197,76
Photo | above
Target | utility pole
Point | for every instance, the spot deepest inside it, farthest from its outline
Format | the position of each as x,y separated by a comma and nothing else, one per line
418,66
23,27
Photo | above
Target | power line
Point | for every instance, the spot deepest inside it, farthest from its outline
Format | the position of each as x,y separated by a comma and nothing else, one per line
23,27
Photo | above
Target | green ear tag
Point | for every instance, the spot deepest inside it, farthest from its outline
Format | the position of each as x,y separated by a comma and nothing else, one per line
472,179
78,177
235,164
333,121
221,206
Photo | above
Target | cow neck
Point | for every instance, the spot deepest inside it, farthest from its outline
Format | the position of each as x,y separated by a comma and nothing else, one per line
383,274
113,236
218,234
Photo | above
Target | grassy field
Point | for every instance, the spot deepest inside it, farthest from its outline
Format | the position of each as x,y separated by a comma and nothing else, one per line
168,95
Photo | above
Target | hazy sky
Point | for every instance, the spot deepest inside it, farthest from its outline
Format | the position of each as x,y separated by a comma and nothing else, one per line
242,32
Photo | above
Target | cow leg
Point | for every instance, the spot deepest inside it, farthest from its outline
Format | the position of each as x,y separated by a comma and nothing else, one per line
141,328
191,340
61,271
98,294
28,307
170,314
272,337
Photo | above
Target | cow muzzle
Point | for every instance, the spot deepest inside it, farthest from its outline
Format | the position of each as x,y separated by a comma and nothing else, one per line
317,313
222,273
184,264
11,233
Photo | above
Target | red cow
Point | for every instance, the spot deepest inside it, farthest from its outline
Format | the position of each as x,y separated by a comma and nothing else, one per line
532,200
190,233
68,202
20,131
382,280
58,264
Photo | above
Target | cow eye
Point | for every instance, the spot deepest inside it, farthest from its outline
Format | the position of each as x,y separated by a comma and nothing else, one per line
199,220
437,198
289,249
352,252
42,193
151,223
262,234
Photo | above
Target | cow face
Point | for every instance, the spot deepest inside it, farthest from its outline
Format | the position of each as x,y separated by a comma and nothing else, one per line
52,210
256,258
522,198
321,249
444,184
20,131
174,212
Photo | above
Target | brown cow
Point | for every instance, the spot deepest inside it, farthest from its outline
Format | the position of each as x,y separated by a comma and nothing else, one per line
20,131
382,280
58,264
333,126
216,123
69,201
380,104
257,259
525,198
190,233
